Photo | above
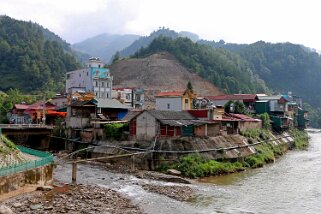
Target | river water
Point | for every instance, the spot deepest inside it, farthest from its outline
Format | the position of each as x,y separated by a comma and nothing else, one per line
291,185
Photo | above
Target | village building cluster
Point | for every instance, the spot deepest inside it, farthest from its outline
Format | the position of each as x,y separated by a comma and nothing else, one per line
91,102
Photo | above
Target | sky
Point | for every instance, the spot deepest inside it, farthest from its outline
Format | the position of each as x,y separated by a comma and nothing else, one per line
234,21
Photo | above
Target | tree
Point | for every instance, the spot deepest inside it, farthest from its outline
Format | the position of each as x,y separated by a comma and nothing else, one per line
265,120
236,107
189,86
116,57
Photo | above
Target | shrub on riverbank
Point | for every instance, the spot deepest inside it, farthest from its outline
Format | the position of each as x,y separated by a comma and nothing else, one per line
301,139
195,165
257,134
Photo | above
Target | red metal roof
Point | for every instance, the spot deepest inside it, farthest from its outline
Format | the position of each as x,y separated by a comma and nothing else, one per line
21,106
199,113
170,94
244,117
233,97
237,117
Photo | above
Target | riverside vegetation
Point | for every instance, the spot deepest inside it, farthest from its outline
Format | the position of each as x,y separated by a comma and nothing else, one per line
195,165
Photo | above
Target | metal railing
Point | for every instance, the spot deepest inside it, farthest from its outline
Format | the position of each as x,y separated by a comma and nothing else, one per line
19,126
45,159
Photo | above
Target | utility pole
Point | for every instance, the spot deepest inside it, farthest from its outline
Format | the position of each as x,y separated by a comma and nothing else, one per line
44,111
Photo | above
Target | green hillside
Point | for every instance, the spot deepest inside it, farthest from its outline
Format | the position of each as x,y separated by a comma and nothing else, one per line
144,41
32,58
225,69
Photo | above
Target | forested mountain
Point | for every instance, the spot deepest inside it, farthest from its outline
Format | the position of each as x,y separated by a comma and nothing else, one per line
144,41
32,58
105,45
287,67
224,69
283,66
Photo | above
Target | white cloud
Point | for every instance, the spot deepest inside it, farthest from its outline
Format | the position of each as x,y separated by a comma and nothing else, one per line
237,21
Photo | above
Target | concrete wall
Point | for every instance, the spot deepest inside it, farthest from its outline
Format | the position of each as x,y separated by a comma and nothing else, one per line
146,127
250,125
213,129
79,78
210,130
39,176
175,103
76,122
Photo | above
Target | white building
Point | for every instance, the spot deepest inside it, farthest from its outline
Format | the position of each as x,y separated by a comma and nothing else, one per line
94,78
132,97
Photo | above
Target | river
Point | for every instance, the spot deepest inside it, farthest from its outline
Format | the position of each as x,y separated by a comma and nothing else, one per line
291,185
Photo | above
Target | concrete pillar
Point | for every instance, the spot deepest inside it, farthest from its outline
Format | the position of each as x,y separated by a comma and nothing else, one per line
74,173
133,163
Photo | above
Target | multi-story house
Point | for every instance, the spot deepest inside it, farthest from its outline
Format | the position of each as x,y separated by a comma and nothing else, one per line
93,78
132,97
175,100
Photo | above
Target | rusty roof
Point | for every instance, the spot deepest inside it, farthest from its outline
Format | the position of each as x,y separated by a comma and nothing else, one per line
170,94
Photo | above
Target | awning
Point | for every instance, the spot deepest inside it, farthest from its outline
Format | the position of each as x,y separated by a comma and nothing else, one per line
56,113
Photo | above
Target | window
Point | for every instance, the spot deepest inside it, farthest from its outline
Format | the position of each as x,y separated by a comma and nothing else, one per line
102,84
96,94
96,83
87,73
127,96
168,106
107,95
68,76
98,66
137,97
107,84
186,100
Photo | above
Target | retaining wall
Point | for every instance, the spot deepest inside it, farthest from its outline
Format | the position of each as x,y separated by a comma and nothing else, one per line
38,176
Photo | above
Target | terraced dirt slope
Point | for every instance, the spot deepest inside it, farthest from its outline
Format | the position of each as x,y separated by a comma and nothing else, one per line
159,71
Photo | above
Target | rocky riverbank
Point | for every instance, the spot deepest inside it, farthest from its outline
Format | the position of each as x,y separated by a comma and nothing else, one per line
73,199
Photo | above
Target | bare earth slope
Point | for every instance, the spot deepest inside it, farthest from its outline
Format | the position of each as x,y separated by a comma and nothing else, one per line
159,71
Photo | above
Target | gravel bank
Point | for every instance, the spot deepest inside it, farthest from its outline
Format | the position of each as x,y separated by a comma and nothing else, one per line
179,193
73,199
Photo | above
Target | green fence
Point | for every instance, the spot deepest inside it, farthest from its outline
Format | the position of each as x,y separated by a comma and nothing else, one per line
44,159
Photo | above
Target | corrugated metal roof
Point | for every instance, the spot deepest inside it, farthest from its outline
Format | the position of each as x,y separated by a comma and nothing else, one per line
171,115
233,97
245,117
131,115
274,97
185,122
110,103
170,94
21,106
83,103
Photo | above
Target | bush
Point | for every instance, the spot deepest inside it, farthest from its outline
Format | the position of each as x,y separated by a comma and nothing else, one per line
196,166
115,130
301,139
